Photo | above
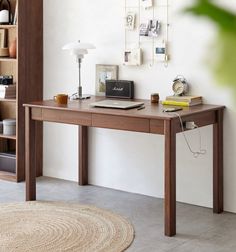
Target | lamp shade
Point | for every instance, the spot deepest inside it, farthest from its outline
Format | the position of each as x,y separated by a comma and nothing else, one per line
79,49
78,45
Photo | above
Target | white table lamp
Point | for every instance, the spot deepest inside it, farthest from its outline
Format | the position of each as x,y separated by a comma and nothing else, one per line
79,50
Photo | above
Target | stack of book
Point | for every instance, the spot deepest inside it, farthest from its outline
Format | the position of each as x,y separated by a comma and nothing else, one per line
7,91
183,101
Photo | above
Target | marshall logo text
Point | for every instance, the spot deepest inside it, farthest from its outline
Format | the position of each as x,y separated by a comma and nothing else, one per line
118,89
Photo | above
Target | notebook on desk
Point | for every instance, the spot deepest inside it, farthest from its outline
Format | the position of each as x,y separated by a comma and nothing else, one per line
117,104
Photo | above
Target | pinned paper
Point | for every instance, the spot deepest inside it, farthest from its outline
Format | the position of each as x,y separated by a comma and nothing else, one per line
147,3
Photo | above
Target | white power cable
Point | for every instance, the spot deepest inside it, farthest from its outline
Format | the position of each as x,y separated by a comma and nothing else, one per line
201,151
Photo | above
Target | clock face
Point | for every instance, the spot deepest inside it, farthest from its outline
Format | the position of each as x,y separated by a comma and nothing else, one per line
179,87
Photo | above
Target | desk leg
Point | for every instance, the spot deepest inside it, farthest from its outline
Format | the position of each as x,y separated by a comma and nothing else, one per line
83,155
218,163
170,179
30,166
39,148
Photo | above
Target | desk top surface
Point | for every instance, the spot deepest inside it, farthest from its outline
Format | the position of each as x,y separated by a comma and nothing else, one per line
150,111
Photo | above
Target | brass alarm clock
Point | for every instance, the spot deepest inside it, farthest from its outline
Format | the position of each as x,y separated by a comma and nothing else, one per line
180,86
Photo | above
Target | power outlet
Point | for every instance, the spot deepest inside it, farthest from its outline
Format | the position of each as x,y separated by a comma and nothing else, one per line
189,125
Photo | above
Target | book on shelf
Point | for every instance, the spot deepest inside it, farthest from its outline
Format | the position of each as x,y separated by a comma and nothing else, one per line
7,91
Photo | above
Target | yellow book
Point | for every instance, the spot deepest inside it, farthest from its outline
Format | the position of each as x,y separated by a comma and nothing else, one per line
181,104
175,103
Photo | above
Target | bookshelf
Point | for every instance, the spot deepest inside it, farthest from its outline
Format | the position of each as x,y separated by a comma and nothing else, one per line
2,59
27,72
7,26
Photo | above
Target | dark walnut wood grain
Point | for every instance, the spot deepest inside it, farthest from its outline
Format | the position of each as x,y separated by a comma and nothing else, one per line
30,156
170,178
148,120
83,155
218,163
30,75
120,123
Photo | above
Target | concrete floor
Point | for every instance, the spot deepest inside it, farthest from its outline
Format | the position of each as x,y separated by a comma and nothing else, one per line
199,230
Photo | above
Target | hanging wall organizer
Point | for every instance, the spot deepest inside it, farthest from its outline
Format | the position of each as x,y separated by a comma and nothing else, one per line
146,32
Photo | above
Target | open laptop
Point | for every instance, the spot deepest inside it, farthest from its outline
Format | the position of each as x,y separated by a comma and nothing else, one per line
117,104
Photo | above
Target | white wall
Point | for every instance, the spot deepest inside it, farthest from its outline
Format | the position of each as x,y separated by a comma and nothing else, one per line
124,160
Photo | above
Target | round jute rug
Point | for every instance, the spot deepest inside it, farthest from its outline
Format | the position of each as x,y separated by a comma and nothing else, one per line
53,227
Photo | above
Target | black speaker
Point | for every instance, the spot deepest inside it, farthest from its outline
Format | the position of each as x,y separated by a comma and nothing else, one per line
120,89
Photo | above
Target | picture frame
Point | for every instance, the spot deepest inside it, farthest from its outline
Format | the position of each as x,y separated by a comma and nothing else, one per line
133,57
2,38
103,73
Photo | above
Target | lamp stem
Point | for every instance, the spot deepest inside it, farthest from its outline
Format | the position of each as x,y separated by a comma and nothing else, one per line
80,86
79,95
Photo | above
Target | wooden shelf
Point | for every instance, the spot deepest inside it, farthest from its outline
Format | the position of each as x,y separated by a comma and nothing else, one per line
8,26
7,100
29,83
7,137
6,59
9,176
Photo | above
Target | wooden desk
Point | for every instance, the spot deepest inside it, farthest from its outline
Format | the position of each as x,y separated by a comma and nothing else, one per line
149,120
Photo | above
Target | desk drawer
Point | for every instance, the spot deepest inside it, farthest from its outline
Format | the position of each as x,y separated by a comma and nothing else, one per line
157,126
70,117
120,123
36,114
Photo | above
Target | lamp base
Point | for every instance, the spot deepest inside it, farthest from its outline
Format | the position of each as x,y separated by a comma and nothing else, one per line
80,97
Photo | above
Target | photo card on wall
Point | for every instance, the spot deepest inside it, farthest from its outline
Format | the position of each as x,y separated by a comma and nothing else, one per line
130,21
146,4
